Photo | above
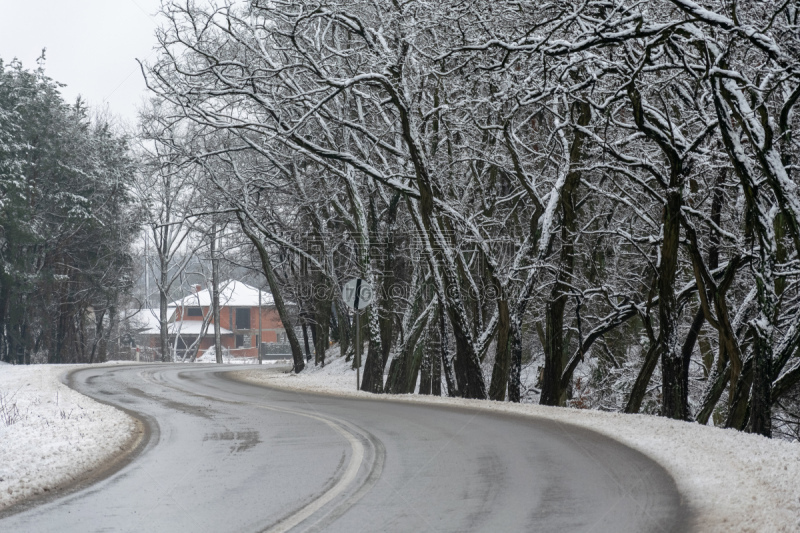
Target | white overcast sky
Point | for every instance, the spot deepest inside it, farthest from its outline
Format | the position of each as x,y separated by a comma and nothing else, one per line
92,46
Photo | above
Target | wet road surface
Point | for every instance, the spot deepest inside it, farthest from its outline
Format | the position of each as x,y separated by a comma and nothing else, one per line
223,455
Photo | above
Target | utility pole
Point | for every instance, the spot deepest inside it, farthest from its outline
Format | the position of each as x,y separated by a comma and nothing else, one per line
146,271
358,349
258,337
215,294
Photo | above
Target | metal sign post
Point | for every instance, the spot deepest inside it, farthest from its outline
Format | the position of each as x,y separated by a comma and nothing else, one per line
358,350
357,294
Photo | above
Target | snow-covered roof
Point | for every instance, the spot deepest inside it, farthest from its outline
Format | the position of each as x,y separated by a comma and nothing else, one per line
232,293
147,320
194,327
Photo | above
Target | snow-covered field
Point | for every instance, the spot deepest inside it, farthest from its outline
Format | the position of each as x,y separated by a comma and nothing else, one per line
57,434
734,482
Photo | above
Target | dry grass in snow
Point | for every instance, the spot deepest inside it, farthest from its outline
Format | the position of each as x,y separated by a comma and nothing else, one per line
50,434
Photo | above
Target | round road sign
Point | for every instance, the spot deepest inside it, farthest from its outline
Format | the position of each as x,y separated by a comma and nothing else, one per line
357,294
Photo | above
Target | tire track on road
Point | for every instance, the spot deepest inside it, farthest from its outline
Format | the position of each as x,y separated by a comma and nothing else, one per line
367,455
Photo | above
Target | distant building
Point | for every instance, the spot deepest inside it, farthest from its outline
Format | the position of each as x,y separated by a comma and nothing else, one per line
190,320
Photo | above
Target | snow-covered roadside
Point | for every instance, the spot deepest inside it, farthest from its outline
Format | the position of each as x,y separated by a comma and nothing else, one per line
734,482
58,435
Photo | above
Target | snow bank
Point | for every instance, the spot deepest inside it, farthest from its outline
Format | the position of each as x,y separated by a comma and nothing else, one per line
59,434
733,481
210,356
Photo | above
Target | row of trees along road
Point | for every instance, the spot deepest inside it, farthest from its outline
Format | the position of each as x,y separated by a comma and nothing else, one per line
67,222
594,202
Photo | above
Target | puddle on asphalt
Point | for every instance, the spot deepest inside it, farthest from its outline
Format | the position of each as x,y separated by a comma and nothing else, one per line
243,440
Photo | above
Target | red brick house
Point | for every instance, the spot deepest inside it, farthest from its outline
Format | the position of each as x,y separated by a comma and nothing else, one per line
240,328
238,316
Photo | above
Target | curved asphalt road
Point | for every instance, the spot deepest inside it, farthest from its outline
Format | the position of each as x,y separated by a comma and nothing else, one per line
228,456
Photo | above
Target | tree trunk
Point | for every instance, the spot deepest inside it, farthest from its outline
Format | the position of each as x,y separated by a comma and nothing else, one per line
673,394
305,335
553,393
314,336
452,386
402,366
393,379
643,378
373,366
502,360
277,295
425,372
436,372
761,396
388,277
322,322
515,373
62,325
686,353
163,317
739,404
466,364
345,333
4,295
102,346
413,369
718,380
